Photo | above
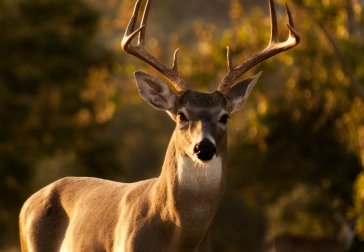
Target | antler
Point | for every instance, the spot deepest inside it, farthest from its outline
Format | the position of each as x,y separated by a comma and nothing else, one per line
140,52
274,47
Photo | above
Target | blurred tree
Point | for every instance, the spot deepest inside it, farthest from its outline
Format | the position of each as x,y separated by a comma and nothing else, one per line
47,49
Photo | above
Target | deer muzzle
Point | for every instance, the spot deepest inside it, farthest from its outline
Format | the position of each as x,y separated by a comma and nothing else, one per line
205,150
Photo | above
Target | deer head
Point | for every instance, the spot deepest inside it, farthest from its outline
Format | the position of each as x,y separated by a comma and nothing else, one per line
201,118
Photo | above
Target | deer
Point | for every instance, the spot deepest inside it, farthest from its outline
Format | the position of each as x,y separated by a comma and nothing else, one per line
174,211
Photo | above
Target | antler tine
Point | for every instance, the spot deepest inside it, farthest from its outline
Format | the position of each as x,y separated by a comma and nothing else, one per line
175,56
140,52
229,60
130,31
274,25
292,32
141,39
274,47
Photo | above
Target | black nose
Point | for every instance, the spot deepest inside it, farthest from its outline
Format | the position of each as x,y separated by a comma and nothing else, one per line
205,150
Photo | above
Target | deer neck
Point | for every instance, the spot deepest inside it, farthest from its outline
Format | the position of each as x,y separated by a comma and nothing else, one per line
192,190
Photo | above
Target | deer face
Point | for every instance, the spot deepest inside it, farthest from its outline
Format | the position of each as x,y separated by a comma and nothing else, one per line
201,118
201,124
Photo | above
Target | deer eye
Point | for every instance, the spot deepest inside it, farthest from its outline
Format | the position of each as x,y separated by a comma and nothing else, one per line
224,119
182,117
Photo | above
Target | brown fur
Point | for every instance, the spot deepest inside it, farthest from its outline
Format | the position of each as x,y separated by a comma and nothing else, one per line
90,214
173,212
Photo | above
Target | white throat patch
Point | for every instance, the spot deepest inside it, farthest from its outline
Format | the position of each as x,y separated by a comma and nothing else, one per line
195,175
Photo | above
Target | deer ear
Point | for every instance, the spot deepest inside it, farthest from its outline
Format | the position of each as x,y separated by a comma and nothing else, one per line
155,91
240,92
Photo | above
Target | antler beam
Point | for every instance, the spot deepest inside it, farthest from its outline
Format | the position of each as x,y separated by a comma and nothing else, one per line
274,47
140,52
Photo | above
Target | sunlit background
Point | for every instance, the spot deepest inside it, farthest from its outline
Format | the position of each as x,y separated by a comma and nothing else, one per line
69,106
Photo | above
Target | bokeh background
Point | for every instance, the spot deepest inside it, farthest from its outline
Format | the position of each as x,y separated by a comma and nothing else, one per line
69,106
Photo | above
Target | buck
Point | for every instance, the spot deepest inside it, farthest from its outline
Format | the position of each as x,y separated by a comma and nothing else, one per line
174,211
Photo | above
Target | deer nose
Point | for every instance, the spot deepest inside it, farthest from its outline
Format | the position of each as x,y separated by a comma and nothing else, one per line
205,150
